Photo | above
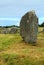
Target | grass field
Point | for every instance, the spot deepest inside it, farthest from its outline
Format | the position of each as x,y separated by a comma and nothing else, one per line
14,51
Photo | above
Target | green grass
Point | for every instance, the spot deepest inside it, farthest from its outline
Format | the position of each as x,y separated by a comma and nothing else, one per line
14,51
16,59
7,39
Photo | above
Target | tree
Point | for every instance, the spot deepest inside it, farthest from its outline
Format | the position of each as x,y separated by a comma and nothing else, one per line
42,25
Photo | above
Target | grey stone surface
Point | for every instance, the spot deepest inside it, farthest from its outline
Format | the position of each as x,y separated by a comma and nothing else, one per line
4,31
12,30
29,27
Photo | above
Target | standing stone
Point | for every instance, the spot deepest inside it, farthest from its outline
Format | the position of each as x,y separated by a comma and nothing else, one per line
29,27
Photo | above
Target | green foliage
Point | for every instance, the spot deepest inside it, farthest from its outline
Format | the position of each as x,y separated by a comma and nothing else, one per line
42,25
9,26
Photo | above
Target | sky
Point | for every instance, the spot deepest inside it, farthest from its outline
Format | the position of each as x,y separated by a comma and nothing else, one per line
11,11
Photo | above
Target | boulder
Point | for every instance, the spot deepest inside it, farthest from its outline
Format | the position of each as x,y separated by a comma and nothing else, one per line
29,27
4,31
13,30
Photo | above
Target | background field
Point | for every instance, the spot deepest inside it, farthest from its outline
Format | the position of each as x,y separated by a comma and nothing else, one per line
14,51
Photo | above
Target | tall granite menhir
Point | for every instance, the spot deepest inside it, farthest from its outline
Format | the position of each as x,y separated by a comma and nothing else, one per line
29,27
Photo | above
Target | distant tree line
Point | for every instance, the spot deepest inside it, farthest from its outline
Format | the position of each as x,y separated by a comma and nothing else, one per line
9,26
42,25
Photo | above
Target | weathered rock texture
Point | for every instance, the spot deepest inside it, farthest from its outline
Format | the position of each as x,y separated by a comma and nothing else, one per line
29,27
12,30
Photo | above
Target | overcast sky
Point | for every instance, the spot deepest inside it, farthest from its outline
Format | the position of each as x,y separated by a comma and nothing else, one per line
11,11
